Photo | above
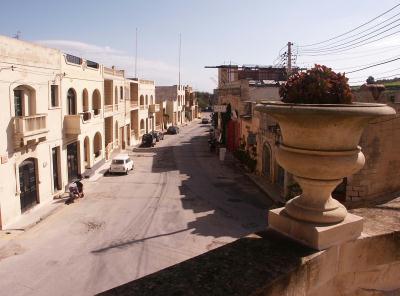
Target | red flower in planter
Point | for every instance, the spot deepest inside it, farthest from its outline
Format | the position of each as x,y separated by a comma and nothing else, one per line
319,85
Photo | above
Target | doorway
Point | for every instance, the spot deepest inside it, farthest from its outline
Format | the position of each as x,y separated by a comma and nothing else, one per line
28,184
72,161
267,161
55,154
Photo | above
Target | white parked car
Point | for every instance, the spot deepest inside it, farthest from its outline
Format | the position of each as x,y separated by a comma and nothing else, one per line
121,164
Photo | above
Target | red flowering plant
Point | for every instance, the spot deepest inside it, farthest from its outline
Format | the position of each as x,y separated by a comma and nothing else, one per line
319,85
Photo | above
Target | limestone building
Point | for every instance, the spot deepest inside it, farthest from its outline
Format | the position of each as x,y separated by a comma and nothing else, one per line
33,149
62,116
174,96
191,104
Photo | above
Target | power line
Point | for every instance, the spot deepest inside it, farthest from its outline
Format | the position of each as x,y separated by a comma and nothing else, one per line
380,73
352,30
357,56
322,49
349,47
354,45
368,64
366,30
375,65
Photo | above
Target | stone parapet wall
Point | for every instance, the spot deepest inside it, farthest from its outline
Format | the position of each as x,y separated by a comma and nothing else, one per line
269,264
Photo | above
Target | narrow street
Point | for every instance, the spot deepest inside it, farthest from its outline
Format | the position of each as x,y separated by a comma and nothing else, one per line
178,202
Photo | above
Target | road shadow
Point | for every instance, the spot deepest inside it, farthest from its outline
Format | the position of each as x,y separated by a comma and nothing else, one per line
225,201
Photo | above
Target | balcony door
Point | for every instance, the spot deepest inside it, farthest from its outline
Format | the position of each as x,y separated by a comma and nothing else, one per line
27,184
18,97
72,161
55,152
71,102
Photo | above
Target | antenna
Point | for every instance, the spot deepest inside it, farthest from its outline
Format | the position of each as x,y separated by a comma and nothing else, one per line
17,35
136,54
180,47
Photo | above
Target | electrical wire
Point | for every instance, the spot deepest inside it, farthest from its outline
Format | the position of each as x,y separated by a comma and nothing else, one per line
368,64
357,56
31,66
375,65
323,49
366,30
352,30
377,74
360,43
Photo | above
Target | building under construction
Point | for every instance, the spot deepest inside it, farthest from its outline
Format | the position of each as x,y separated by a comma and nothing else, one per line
231,73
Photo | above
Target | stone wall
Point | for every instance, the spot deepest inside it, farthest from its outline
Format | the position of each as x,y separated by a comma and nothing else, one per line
269,264
380,177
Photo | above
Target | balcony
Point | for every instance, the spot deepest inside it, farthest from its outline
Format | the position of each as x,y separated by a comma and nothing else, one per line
30,128
133,104
108,110
153,108
74,124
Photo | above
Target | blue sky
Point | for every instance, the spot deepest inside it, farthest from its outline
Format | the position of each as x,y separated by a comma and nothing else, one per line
213,32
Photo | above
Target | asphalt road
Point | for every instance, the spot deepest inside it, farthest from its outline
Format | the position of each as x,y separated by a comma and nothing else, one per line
178,202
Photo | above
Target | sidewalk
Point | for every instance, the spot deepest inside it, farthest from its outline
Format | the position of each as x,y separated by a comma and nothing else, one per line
36,215
269,190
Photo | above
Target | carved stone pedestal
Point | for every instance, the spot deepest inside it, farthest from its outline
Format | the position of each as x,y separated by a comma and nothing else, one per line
317,236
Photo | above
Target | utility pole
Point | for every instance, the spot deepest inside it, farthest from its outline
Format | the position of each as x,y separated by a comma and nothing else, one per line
289,57
136,55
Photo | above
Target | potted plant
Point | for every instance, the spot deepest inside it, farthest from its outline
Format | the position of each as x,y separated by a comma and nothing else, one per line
321,127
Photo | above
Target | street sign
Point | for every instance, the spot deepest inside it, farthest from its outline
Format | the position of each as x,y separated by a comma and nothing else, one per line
219,108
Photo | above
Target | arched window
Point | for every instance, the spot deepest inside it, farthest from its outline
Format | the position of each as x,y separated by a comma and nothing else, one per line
116,95
147,100
85,100
86,151
116,133
28,183
121,93
97,144
141,100
96,102
151,100
71,102
142,124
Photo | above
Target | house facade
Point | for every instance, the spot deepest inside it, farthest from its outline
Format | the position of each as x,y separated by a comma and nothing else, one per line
191,104
175,102
33,155
62,117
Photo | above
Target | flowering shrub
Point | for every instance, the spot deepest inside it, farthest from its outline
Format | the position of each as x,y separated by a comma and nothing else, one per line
319,85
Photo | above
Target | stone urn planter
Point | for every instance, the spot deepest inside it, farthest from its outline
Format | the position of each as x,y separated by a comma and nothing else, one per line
320,147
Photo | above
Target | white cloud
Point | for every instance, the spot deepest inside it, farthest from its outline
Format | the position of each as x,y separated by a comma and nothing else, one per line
161,72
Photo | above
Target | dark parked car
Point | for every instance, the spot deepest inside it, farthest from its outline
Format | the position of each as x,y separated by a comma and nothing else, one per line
158,135
148,140
205,120
173,130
